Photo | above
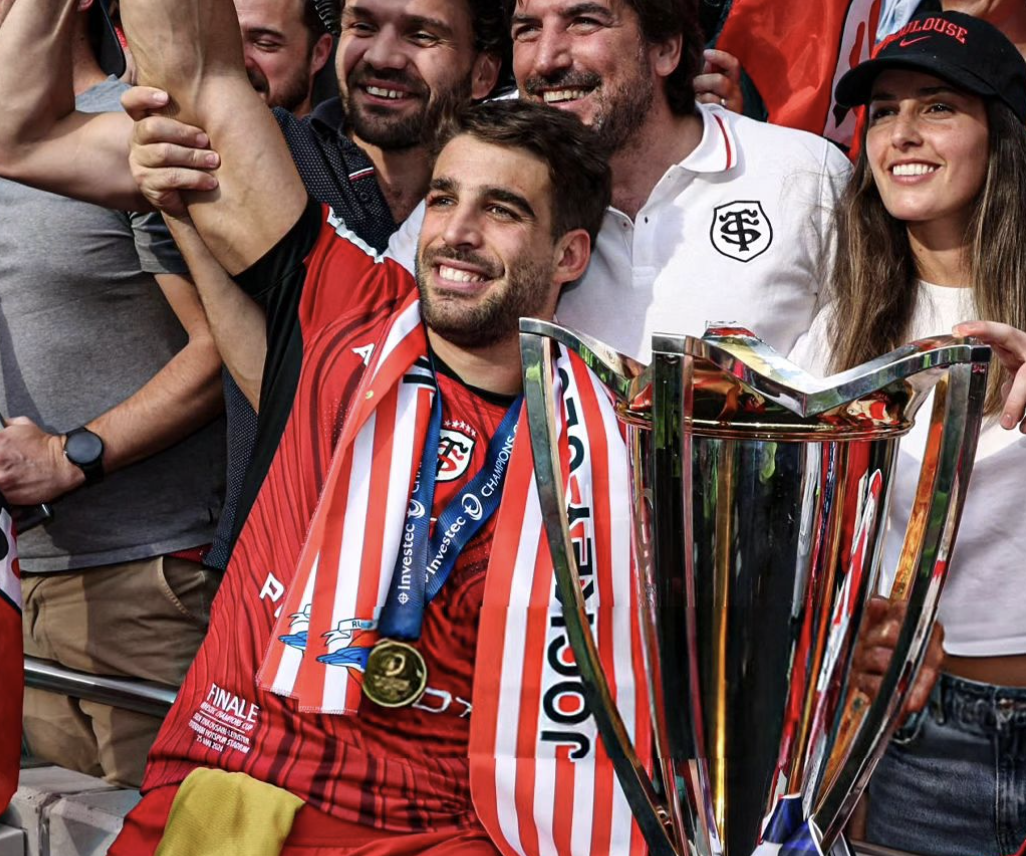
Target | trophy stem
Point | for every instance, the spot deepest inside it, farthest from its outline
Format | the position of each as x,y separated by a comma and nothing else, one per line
841,847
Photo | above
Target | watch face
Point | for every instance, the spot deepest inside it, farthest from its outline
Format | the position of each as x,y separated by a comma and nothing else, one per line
83,448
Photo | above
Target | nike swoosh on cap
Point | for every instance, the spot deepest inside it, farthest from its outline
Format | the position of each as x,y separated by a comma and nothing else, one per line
904,43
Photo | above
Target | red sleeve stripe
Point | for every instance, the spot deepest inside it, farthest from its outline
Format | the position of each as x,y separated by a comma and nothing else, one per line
726,142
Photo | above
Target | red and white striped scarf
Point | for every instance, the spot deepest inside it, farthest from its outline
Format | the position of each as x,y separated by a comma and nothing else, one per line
540,779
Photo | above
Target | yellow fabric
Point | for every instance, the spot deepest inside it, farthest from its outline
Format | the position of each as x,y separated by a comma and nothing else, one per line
216,813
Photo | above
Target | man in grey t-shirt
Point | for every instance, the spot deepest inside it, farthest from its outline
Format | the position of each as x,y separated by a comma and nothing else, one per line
110,380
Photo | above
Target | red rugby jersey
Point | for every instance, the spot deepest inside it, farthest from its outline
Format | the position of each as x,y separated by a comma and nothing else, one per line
401,770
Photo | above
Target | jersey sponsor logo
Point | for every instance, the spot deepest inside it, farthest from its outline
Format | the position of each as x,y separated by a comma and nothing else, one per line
741,230
472,506
455,449
273,590
364,352
565,715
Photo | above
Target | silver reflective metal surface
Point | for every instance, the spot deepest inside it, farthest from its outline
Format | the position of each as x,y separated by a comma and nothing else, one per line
759,500
141,696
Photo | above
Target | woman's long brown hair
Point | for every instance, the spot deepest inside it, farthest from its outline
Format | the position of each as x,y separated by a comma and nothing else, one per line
874,281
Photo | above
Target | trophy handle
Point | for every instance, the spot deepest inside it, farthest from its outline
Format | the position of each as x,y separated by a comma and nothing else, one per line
619,373
536,357
940,495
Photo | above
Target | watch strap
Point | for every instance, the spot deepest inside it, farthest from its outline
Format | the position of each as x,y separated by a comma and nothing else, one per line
91,467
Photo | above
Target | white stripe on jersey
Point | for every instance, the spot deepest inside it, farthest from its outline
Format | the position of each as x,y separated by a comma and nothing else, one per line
343,231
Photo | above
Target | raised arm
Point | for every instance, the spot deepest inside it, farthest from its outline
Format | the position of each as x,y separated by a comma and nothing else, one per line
43,140
238,324
192,49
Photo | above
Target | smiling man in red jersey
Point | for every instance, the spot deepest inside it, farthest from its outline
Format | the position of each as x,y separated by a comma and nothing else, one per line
297,686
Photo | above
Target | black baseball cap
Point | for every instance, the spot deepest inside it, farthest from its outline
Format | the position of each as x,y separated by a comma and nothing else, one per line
105,39
963,50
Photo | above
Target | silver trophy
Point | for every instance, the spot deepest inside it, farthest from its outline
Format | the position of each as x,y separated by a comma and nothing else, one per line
759,502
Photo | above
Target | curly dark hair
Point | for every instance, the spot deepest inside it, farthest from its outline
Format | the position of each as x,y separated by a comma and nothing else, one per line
578,168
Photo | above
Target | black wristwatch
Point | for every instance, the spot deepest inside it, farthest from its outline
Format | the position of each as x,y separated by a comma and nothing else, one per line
85,450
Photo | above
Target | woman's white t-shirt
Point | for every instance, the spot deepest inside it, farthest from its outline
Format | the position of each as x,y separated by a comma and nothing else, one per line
983,607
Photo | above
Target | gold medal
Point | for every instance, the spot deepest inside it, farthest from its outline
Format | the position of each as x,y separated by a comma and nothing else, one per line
396,674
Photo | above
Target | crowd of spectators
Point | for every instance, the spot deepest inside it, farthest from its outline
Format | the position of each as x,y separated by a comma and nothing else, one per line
213,369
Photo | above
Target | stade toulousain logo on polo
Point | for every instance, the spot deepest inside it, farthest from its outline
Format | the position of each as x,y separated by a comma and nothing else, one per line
455,448
741,230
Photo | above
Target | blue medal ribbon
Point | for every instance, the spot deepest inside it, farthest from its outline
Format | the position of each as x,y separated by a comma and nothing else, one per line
426,559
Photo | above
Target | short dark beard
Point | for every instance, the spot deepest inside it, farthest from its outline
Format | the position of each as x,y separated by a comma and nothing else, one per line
624,109
626,112
291,94
494,319
418,129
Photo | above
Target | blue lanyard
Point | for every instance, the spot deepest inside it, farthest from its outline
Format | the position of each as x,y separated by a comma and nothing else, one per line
425,560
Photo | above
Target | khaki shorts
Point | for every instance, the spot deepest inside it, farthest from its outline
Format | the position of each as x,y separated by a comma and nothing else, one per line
141,619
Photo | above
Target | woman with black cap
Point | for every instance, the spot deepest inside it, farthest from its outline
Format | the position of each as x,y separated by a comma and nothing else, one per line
932,232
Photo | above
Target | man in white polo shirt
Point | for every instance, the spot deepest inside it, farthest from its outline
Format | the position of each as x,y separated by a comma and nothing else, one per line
715,217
